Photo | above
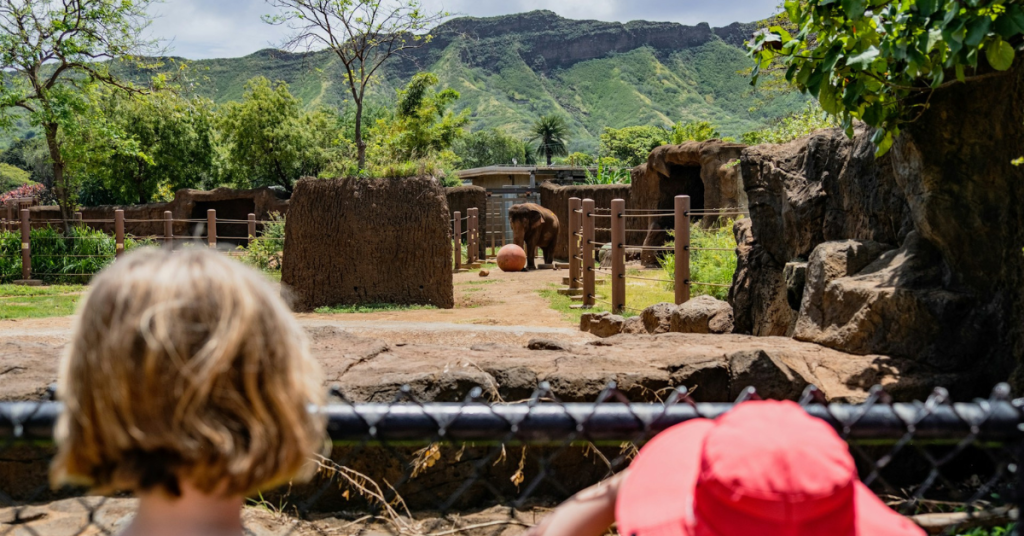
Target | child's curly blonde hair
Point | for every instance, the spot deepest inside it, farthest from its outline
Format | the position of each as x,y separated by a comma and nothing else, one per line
186,366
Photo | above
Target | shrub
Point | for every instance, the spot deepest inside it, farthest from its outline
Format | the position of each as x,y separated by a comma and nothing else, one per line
266,251
706,266
27,190
792,127
59,257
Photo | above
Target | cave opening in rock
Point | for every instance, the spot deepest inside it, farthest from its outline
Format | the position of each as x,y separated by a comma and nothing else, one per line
682,180
229,209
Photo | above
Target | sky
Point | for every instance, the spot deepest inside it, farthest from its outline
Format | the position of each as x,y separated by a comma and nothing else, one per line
197,29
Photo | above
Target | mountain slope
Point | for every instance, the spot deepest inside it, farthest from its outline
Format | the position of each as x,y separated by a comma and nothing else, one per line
512,69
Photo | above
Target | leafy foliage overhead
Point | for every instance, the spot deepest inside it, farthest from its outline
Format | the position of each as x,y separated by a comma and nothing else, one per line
878,60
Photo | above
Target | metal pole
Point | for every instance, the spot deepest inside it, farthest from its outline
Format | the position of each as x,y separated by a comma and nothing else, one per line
457,233
211,227
588,254
252,229
168,229
26,246
618,255
118,233
575,206
682,272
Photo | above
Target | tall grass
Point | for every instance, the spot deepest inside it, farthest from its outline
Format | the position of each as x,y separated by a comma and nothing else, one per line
267,250
707,266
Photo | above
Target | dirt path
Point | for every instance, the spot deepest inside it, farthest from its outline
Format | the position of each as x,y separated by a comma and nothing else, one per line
501,299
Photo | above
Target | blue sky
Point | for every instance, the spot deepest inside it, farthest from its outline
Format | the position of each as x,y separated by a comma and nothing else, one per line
197,29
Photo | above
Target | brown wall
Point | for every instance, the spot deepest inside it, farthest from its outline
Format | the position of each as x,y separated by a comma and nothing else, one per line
358,241
462,198
141,220
556,199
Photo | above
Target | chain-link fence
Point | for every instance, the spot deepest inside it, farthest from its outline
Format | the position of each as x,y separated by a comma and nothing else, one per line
421,468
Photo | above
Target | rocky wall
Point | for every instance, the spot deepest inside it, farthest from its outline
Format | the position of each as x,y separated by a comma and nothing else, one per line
359,241
916,254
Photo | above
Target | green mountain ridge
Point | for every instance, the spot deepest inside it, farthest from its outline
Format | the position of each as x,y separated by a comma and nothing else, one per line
512,69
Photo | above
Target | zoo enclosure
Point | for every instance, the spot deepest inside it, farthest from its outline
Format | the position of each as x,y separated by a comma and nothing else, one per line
203,232
499,200
951,467
466,228
585,220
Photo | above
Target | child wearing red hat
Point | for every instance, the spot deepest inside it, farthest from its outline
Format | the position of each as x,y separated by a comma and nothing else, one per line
765,468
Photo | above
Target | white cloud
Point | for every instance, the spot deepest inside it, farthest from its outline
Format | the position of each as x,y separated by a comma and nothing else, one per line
230,28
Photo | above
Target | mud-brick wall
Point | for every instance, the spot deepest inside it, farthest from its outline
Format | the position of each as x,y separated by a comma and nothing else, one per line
556,199
358,241
463,198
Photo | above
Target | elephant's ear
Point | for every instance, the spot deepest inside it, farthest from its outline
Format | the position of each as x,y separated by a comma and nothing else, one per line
540,221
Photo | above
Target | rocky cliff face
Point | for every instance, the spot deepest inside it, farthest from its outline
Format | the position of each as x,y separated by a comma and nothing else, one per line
916,254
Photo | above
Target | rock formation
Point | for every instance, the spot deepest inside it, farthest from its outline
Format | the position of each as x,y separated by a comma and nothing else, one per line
914,255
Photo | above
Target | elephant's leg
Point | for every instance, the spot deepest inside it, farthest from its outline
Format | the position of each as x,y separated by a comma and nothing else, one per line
531,255
549,254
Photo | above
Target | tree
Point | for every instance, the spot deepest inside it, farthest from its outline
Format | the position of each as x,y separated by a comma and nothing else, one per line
364,34
696,131
489,148
881,65
632,145
49,51
269,140
549,134
423,125
162,140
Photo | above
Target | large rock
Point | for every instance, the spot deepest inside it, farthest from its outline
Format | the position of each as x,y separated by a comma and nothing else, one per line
863,301
658,318
703,314
602,324
634,325
759,294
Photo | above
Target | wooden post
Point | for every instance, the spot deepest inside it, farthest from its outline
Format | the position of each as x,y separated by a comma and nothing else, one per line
457,233
618,255
211,228
575,258
474,235
118,233
589,292
682,272
252,229
168,229
78,219
26,246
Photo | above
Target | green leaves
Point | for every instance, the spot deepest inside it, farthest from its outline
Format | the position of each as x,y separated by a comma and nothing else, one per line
878,66
999,54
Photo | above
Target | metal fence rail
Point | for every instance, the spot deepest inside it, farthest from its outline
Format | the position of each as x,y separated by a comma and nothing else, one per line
476,467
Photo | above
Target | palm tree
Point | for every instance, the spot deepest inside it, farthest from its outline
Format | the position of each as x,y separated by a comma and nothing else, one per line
550,133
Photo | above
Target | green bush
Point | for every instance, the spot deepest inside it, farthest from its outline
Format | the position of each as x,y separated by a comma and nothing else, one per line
59,258
715,267
792,126
265,253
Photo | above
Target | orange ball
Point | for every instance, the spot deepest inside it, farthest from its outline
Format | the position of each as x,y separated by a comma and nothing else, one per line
511,258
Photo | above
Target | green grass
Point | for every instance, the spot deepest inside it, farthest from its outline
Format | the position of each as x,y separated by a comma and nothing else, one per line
715,265
994,531
371,308
639,295
38,302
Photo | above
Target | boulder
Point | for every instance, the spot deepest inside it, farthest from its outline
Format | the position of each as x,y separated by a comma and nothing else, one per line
863,301
658,318
634,325
547,344
703,314
606,324
758,294
795,274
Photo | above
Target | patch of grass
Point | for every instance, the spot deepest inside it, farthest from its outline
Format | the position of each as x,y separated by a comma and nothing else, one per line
39,302
479,282
716,263
994,531
371,308
639,295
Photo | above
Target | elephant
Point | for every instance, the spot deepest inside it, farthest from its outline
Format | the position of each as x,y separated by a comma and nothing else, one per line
534,226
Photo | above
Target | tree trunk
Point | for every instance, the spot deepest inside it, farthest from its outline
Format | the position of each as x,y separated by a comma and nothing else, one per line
61,189
548,153
360,144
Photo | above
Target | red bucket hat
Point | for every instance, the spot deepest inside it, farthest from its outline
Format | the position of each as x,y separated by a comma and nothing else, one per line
765,468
